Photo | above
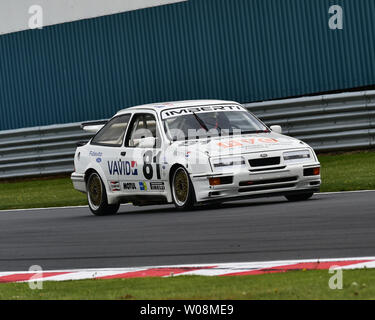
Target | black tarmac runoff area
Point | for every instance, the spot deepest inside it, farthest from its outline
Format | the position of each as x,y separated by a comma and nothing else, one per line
335,225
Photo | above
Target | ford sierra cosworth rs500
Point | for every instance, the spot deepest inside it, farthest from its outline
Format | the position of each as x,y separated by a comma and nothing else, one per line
190,153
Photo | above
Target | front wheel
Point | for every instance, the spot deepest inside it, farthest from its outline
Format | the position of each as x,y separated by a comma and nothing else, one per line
97,197
300,197
182,189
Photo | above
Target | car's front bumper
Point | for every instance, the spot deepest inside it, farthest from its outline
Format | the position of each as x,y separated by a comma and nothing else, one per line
246,184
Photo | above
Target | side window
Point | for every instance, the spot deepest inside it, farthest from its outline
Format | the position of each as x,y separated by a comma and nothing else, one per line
142,126
113,132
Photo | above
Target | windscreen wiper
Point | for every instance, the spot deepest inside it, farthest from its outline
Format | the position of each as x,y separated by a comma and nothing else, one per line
201,122
256,131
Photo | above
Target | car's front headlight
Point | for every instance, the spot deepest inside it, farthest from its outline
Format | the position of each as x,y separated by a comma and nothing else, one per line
225,164
297,156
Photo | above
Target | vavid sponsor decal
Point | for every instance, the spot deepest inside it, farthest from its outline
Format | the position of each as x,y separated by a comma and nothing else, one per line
125,168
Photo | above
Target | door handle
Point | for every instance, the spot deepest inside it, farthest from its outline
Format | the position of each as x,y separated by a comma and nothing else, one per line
123,153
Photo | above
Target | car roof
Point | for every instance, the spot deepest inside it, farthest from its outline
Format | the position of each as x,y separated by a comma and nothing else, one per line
175,104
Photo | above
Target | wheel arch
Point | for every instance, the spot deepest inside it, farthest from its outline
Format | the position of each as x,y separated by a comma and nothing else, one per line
174,167
88,173
99,171
172,171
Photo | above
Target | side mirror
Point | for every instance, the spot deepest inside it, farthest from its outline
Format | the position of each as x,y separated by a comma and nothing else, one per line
148,142
276,129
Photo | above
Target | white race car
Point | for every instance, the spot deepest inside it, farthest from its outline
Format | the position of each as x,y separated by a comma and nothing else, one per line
190,152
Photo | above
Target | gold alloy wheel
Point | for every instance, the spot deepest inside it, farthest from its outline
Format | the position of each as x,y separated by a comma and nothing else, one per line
180,186
95,191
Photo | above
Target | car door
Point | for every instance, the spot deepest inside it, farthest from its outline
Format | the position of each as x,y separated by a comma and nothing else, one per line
105,148
143,152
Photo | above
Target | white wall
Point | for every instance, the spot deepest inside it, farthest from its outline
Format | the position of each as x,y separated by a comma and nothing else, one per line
14,14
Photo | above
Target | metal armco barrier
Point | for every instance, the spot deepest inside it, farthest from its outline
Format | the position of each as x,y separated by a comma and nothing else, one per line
328,123
39,151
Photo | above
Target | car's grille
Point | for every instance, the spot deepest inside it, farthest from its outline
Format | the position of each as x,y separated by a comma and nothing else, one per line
260,188
267,184
268,169
262,162
266,181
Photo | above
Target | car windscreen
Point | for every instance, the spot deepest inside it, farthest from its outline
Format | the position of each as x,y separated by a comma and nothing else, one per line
216,123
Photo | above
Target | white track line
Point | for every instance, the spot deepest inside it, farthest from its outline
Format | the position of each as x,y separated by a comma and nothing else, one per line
51,208
338,192
128,204
47,208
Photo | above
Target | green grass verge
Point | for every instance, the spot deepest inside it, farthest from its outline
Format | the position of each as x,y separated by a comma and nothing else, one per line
40,194
348,171
343,172
357,284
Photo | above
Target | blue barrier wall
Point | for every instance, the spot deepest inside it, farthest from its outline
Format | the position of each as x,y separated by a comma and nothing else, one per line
244,50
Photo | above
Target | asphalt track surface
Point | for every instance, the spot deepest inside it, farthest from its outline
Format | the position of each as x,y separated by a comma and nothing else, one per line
336,225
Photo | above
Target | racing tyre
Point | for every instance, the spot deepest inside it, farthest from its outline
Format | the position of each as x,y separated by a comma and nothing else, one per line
182,189
97,197
300,197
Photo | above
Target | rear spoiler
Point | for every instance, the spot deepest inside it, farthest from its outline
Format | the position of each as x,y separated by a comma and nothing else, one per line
93,126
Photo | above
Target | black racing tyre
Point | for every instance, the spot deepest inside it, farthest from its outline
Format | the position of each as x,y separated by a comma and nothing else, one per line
97,197
182,189
300,197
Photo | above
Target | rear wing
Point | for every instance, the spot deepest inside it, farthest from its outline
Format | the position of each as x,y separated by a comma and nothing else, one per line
93,126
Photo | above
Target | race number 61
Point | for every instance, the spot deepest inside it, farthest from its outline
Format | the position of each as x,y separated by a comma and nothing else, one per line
148,160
